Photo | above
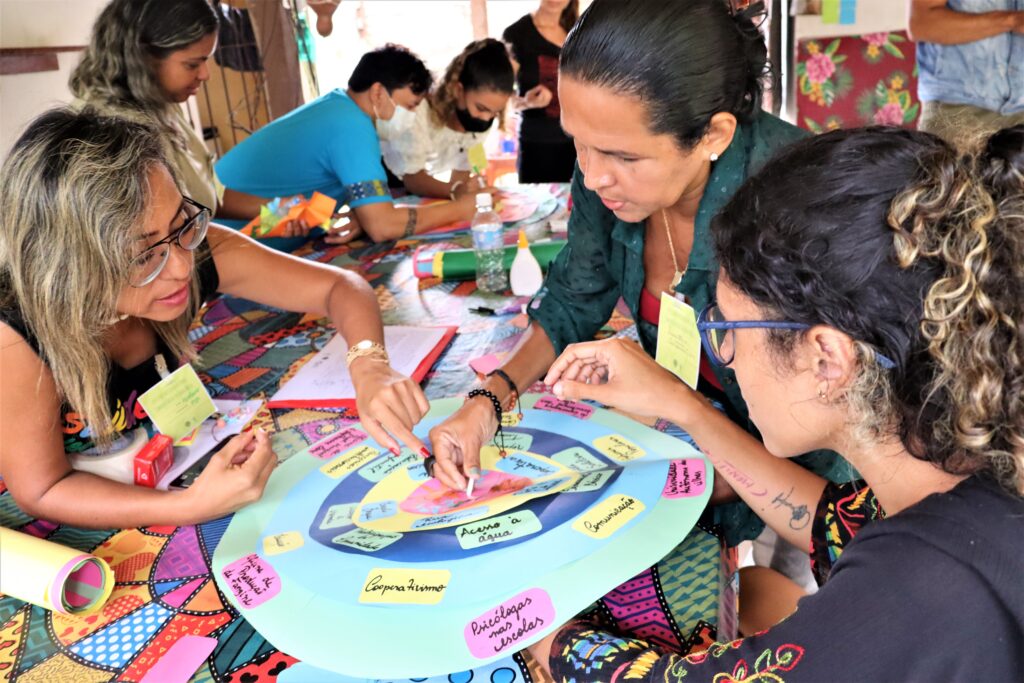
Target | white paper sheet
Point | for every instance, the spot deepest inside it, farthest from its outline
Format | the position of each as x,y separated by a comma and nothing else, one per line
325,377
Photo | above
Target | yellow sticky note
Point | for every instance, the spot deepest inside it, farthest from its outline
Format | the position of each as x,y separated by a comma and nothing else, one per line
509,419
608,516
178,403
405,586
282,543
678,340
349,461
477,158
618,448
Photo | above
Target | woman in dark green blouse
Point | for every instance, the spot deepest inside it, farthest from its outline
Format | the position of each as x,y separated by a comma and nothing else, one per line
663,103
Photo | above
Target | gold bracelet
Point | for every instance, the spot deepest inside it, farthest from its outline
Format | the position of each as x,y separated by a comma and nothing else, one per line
367,347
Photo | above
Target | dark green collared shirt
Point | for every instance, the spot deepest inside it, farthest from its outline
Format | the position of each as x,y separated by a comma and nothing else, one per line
603,261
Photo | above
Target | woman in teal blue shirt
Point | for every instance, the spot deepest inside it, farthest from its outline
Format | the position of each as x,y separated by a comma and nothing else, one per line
663,103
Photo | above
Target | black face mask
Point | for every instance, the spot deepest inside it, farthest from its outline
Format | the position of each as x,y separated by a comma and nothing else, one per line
471,123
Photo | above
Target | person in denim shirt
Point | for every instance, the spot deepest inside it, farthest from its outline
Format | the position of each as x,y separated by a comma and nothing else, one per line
663,102
970,57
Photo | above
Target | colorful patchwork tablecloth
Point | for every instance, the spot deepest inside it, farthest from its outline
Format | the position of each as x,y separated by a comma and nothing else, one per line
164,590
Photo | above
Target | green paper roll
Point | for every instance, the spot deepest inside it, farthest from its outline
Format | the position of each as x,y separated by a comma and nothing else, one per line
460,264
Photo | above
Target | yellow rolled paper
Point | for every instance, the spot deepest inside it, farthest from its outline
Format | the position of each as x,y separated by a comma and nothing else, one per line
52,576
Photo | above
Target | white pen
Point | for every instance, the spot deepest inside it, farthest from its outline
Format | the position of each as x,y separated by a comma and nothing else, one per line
469,487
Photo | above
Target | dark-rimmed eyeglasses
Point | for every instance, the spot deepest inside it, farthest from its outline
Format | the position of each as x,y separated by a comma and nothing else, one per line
145,267
716,334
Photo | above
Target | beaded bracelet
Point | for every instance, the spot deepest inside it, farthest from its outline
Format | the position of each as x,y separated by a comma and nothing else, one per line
499,434
513,399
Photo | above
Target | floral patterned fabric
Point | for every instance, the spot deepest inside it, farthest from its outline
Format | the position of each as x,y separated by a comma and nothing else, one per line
857,80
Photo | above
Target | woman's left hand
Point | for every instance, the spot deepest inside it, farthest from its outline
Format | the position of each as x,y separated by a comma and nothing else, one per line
618,373
390,404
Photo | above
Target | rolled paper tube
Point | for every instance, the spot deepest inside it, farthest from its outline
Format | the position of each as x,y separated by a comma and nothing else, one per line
117,463
52,576
460,264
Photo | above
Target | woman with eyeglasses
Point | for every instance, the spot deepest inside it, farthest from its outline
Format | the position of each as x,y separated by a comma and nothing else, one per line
103,266
662,100
870,301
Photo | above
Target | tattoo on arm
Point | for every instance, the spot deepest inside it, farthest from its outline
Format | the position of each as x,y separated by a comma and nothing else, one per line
800,517
410,223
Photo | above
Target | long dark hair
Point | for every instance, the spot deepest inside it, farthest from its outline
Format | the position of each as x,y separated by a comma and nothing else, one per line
686,61
900,243
567,19
482,65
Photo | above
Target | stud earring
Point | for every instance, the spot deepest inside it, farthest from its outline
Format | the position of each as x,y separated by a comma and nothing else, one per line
714,156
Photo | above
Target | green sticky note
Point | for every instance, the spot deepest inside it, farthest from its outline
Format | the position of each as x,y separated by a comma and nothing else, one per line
591,481
178,403
830,11
477,158
497,529
579,459
513,441
678,340
367,540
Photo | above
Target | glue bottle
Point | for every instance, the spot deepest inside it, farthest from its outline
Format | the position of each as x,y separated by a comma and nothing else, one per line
525,276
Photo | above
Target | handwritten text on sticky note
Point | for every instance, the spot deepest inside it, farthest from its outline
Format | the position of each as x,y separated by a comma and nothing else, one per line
405,586
678,340
557,405
282,543
512,622
497,529
367,540
608,516
178,403
338,441
349,461
685,478
579,459
252,580
618,448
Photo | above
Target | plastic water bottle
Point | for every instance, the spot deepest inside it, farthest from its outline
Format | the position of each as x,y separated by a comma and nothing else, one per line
489,246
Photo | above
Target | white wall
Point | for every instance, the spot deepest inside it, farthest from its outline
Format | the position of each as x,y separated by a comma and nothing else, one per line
40,23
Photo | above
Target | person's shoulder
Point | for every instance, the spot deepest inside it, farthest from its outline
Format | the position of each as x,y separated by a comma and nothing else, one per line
771,131
517,29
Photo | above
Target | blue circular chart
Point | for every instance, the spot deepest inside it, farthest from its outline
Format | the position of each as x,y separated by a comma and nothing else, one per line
356,562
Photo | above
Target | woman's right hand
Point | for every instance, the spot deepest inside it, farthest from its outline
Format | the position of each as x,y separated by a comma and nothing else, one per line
457,442
234,477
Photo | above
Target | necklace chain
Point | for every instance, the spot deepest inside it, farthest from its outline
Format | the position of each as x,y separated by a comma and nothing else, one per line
677,278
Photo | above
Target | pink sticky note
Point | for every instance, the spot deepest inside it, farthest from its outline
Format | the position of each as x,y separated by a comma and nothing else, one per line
514,621
557,405
180,663
485,365
252,580
338,441
685,478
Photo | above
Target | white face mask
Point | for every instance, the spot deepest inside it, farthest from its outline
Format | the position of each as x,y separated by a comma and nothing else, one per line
401,121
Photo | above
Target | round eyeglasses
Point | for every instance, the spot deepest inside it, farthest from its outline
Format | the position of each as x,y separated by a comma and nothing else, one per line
145,267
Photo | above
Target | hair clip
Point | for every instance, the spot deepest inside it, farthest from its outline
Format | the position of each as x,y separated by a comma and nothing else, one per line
753,11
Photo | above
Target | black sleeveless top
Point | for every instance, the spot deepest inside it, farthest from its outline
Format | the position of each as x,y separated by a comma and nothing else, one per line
124,385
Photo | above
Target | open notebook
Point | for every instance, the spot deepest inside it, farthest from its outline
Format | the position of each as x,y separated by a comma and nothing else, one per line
324,381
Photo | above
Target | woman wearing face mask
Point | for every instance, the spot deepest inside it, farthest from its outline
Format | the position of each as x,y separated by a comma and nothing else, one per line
663,103
103,266
871,301
331,145
456,115
546,154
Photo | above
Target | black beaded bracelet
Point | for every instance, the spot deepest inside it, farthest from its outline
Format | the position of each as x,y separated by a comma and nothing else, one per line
497,412
514,396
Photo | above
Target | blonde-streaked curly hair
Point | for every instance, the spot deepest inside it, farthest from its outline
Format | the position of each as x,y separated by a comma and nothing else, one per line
483,65
896,239
116,74
75,191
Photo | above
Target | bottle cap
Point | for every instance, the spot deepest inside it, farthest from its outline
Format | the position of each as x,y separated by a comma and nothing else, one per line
523,242
484,199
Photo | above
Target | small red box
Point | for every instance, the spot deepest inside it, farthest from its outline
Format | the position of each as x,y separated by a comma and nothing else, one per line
155,458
